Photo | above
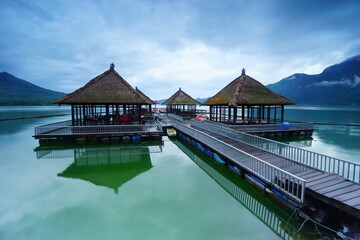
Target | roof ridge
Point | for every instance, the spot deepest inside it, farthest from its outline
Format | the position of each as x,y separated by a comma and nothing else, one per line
245,90
234,99
171,99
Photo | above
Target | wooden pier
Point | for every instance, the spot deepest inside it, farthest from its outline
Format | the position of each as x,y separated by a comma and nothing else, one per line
304,179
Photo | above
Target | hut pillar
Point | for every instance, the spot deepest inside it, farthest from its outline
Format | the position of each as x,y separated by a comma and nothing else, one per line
211,113
275,113
107,115
84,114
243,114
219,113
229,115
72,115
235,115
282,113
139,113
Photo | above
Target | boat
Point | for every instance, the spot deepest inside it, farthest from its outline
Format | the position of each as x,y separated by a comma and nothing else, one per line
171,132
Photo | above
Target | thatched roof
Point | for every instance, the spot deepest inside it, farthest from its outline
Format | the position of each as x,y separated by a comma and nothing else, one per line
107,88
181,98
245,90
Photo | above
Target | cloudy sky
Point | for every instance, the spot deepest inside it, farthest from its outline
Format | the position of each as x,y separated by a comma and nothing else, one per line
159,46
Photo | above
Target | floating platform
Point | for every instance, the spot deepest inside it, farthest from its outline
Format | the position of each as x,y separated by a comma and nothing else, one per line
64,131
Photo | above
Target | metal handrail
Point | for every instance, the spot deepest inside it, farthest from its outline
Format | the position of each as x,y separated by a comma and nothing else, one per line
91,129
292,185
347,169
62,123
272,127
43,129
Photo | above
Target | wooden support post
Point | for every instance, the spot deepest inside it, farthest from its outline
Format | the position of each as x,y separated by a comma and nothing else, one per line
84,113
72,115
139,113
107,117
220,117
275,115
268,114
282,113
216,112
229,115
211,116
243,114
235,115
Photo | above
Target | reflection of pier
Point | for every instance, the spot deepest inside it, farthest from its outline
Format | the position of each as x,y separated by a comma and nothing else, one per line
272,215
109,165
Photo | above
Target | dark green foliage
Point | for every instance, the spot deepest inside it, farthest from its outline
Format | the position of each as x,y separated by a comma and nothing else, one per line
15,91
336,85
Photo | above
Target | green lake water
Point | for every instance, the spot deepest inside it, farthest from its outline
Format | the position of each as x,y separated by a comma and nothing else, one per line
148,190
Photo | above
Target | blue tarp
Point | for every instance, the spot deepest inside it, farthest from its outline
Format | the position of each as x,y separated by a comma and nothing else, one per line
284,126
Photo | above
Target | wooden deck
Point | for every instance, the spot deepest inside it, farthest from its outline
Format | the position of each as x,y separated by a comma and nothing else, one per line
327,187
64,130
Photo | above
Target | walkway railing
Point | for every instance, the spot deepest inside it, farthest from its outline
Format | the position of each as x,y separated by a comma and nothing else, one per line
48,128
346,169
64,128
288,183
273,127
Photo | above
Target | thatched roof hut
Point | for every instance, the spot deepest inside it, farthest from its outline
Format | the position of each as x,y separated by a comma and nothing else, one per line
182,104
245,95
107,88
181,98
245,90
104,99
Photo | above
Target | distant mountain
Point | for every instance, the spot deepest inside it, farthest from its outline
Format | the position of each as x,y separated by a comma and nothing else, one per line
15,91
202,99
336,85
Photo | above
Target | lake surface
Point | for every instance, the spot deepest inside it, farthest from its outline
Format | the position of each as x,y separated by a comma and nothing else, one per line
148,190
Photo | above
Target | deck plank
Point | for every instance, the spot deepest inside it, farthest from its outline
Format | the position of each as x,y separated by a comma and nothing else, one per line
336,181
301,174
316,176
344,190
335,187
348,196
353,202
321,180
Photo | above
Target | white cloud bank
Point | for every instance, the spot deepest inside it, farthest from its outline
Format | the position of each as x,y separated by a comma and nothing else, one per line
344,82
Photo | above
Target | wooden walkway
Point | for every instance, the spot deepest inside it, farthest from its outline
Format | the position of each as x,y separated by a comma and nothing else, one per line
327,187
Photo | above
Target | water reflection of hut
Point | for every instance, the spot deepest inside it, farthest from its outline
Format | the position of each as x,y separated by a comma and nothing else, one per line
181,104
108,165
247,101
107,99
